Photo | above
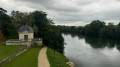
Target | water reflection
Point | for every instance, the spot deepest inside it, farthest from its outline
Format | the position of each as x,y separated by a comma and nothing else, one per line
97,42
87,51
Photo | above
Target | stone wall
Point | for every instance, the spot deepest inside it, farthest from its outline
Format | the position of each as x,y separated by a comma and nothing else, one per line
36,41
18,42
13,42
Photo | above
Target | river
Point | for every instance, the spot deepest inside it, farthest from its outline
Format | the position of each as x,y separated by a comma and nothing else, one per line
92,52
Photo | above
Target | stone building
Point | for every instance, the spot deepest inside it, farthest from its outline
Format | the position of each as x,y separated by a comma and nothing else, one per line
26,37
26,33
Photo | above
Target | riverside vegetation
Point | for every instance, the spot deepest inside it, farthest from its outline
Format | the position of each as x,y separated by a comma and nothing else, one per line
96,28
60,60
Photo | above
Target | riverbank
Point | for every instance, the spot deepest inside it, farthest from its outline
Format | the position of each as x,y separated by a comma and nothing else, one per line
59,61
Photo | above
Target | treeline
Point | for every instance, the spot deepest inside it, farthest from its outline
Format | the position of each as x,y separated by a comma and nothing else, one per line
95,28
43,27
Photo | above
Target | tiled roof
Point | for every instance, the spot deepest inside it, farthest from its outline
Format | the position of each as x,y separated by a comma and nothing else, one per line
25,28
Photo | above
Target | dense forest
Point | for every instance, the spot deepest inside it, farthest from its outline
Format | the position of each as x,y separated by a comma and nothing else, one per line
96,28
43,27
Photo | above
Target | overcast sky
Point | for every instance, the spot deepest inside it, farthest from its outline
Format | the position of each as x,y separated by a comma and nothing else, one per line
69,12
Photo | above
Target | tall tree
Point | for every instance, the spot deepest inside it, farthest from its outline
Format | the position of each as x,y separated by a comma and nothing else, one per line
53,38
5,22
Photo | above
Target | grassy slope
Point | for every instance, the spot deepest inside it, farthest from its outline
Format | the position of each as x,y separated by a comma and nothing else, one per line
60,60
6,51
27,59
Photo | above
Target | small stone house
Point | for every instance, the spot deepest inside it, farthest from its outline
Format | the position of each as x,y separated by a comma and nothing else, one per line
26,33
26,37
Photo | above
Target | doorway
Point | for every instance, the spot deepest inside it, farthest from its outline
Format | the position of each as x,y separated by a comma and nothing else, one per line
25,37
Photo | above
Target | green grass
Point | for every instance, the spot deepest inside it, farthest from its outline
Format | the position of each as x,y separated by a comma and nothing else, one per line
27,59
6,51
59,61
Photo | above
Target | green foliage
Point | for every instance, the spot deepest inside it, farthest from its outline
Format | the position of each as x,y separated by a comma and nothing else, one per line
71,29
37,20
13,35
5,22
1,37
95,28
53,38
27,59
6,51
108,31
59,61
2,11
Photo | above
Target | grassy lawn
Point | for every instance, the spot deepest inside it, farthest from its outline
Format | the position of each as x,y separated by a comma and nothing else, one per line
27,59
6,51
60,60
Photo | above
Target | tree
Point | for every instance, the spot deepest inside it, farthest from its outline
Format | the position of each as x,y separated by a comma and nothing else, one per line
37,20
54,40
94,27
40,20
1,37
5,22
2,11
18,19
108,31
80,30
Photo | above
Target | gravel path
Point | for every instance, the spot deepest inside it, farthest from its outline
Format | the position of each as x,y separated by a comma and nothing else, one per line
42,58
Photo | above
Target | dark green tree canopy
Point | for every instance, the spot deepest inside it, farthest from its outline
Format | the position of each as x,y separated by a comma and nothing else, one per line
5,22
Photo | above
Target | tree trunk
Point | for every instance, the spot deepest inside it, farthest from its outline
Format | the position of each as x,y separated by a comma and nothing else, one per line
54,54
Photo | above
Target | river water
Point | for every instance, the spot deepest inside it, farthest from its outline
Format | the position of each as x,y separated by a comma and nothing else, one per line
92,52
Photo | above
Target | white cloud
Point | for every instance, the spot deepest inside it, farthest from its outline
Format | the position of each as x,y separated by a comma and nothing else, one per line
15,5
69,12
112,21
78,23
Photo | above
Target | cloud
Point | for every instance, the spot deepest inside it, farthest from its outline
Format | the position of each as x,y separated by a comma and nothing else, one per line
112,21
14,5
71,12
78,23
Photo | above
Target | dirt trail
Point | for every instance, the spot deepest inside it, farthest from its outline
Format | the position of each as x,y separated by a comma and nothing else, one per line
42,58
